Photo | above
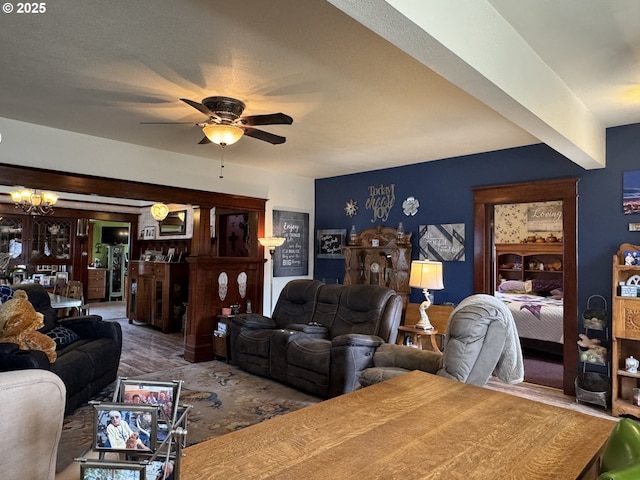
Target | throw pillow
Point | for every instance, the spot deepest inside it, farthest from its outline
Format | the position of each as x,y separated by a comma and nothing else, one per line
6,293
62,336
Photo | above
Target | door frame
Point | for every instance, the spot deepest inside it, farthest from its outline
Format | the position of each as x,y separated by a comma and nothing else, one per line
565,190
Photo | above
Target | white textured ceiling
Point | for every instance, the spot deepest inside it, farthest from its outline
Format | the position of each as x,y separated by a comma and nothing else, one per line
358,100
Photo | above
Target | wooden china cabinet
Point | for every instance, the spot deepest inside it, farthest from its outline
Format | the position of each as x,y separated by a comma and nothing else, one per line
379,256
38,244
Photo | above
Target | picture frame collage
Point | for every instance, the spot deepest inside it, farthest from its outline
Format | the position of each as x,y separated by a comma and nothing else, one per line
146,425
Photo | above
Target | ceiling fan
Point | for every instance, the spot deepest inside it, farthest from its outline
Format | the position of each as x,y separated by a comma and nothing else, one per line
225,124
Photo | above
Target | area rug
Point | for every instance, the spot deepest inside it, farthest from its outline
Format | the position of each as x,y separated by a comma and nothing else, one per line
223,399
543,371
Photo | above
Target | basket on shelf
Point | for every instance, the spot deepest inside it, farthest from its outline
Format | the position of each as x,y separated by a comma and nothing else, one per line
595,318
592,387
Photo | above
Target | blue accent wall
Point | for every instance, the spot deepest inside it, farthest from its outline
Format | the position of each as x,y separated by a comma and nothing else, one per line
444,189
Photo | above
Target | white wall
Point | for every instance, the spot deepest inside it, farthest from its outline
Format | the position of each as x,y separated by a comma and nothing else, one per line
43,147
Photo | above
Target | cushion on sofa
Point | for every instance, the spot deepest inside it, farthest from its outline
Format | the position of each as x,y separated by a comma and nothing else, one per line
62,336
6,293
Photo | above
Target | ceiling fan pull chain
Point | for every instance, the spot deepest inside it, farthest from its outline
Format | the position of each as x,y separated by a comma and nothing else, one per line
221,161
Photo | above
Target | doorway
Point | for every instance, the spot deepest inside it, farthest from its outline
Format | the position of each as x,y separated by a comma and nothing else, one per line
564,190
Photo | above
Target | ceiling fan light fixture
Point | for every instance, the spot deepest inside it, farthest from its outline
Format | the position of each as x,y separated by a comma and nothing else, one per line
223,135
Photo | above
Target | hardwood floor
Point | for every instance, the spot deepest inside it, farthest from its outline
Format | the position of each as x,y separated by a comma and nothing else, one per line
147,350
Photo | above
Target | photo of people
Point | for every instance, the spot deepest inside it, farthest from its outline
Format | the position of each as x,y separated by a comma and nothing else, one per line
110,471
150,393
118,427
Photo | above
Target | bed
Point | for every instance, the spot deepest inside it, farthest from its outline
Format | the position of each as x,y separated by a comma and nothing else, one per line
536,317
538,310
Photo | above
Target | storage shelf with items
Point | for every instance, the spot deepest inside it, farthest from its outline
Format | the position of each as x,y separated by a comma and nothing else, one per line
626,332
379,256
526,261
593,385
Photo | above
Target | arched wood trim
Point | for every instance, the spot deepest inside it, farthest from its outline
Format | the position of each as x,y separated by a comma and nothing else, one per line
565,190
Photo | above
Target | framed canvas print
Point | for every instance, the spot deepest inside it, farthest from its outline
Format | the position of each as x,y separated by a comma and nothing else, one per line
98,470
631,192
148,392
121,427
330,243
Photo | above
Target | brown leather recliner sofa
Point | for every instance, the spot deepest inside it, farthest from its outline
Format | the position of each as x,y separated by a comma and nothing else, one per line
320,337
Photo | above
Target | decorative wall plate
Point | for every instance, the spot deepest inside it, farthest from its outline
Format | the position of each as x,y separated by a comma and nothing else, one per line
351,208
410,206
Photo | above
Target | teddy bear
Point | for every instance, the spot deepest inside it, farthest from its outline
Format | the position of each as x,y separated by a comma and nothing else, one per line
19,323
591,350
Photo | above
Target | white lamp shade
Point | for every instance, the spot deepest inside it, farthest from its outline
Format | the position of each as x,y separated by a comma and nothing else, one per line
271,242
426,274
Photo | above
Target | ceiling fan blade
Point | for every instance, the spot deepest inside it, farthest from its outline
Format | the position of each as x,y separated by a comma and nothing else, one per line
198,106
204,141
168,123
270,119
262,135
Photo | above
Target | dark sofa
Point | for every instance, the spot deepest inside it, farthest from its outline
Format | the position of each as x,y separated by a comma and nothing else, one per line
86,365
320,337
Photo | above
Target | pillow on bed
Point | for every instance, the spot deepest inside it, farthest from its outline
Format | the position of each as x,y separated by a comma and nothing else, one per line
515,286
545,287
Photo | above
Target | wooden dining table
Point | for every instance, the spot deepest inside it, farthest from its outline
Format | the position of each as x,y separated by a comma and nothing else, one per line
415,426
59,302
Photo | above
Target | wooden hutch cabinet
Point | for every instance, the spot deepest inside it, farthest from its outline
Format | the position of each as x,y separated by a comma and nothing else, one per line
42,244
526,261
157,292
626,332
379,256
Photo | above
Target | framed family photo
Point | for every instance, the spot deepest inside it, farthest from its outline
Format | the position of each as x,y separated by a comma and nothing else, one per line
121,427
148,392
94,470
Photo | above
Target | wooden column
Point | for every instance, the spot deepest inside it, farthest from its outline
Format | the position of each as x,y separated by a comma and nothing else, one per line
206,299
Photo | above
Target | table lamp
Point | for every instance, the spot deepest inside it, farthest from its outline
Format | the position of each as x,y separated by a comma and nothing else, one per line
426,275
271,243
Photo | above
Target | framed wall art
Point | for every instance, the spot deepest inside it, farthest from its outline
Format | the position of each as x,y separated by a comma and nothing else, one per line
631,192
443,242
292,258
149,233
330,243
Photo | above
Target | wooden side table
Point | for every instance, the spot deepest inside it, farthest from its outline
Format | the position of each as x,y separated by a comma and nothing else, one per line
438,316
221,338
417,333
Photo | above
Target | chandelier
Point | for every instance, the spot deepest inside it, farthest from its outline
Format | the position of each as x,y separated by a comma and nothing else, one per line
34,203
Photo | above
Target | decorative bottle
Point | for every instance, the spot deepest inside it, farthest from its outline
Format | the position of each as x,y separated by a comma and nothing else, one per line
353,236
400,233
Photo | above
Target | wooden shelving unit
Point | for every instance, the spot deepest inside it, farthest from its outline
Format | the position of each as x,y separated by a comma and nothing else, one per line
626,335
526,261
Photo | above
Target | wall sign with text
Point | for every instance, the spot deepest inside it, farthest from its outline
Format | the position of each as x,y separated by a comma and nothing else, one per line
292,258
330,243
